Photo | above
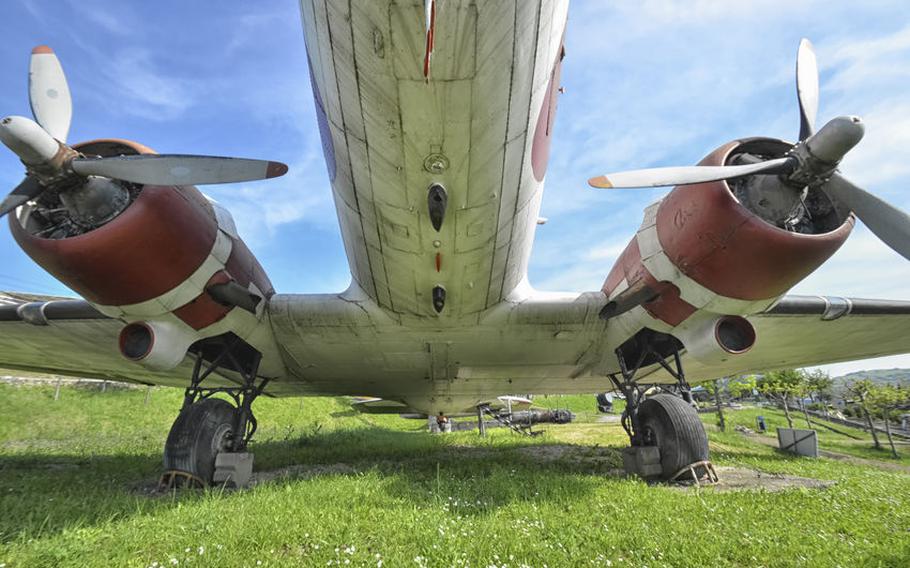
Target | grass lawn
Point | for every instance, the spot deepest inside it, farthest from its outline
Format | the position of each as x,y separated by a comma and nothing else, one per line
355,490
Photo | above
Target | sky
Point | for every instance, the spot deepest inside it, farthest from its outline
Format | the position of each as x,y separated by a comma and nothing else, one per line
647,84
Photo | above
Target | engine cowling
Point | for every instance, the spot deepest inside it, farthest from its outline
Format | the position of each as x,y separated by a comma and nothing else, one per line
154,258
719,249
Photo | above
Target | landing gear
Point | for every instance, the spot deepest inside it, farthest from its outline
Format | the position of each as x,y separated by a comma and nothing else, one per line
666,435
208,440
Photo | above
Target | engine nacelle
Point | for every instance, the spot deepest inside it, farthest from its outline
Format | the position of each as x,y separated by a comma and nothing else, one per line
158,345
716,339
156,257
727,249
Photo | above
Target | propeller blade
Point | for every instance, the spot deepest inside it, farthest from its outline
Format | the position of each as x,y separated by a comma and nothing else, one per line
48,93
174,169
806,88
25,191
889,223
656,177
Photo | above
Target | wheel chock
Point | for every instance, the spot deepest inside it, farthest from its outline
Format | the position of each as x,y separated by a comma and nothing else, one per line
233,468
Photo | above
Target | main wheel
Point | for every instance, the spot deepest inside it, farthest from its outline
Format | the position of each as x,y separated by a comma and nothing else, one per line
200,433
671,424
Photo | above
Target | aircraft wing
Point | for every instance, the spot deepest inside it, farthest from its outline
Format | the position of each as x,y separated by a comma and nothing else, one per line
64,336
802,331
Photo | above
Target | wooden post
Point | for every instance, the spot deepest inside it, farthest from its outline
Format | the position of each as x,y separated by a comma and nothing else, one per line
103,386
480,424
148,394
57,390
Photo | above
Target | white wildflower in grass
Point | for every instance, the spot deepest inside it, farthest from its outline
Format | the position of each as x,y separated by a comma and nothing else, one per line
201,550
174,562
187,549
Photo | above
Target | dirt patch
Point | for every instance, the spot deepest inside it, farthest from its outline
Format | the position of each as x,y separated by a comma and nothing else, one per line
302,472
741,479
596,460
731,478
596,457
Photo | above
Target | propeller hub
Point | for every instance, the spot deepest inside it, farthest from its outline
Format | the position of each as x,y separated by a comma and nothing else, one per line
33,145
835,139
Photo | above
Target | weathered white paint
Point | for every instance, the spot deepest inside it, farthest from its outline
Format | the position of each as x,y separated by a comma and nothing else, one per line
491,66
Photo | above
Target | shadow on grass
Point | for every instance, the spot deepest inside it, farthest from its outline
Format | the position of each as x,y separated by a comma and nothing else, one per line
48,491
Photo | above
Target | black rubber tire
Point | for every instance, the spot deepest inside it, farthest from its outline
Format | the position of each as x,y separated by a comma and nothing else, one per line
672,424
200,432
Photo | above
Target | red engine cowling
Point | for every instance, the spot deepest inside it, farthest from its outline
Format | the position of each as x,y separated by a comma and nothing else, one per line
712,249
152,261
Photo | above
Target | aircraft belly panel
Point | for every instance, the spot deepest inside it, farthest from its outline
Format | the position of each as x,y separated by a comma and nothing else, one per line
466,126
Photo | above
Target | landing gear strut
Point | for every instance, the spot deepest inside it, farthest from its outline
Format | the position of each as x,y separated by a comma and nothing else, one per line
208,440
665,433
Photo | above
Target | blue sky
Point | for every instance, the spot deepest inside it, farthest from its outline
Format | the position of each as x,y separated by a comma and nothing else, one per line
647,84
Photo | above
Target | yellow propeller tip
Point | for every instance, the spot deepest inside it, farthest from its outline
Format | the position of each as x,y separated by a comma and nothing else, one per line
601,182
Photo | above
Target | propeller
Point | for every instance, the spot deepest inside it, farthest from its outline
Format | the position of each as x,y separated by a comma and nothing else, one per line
811,163
49,93
52,164
806,88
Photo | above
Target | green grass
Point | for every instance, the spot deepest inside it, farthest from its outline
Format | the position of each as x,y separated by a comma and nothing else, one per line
74,476
827,439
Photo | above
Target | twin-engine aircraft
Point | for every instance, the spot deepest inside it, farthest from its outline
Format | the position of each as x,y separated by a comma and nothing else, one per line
436,121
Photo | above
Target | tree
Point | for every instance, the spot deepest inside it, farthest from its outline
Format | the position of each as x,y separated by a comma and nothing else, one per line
741,386
714,387
781,386
819,386
886,398
860,390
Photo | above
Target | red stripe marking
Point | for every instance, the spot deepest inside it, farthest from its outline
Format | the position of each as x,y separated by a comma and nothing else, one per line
430,40
203,311
668,307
